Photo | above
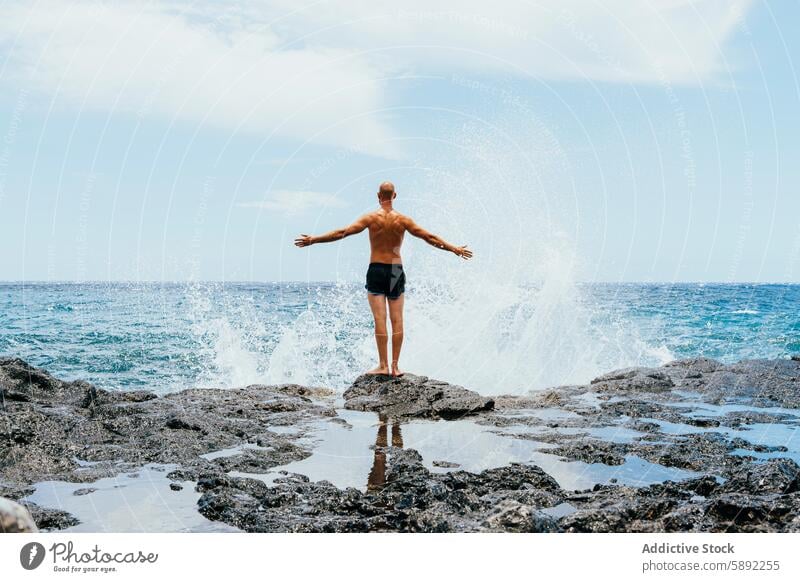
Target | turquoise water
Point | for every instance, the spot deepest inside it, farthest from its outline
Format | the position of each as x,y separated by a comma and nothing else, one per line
166,337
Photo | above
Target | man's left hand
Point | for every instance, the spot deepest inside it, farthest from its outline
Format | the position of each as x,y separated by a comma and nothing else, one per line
304,240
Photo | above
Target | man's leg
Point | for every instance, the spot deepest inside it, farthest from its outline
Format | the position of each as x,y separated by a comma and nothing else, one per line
378,305
396,315
397,436
377,476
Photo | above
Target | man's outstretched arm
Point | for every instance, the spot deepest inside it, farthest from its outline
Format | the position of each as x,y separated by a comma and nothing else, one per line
436,241
306,240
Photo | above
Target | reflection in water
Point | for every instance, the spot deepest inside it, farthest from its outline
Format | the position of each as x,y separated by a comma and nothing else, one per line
377,476
345,453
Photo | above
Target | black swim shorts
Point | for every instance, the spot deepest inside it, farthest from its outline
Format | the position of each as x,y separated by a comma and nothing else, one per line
385,279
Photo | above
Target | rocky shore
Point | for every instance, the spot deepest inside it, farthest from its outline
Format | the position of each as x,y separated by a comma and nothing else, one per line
695,445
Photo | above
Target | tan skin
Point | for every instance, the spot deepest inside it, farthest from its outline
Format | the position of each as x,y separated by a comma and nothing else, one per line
387,227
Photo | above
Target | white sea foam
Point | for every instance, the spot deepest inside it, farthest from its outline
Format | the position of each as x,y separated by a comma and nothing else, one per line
513,318
225,351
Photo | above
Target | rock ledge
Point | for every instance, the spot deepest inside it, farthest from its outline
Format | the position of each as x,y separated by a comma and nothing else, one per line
413,396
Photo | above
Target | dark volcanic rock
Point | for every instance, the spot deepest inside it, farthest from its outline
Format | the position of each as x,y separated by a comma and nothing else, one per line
512,516
694,367
18,518
413,396
774,476
739,512
680,507
49,519
72,431
764,382
445,464
634,379
590,452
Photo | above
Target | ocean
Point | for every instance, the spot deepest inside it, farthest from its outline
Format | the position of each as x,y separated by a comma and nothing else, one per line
495,338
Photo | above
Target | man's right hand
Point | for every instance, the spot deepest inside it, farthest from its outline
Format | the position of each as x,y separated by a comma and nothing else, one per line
463,252
304,240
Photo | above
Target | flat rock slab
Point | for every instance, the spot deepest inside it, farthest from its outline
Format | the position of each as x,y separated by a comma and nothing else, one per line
412,396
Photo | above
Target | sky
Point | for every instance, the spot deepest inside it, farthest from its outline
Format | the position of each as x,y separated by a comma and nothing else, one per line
174,140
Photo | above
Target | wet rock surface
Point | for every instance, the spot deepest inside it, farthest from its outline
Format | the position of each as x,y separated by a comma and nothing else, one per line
52,430
413,396
695,445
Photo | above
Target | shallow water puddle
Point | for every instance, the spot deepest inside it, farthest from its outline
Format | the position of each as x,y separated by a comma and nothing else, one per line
288,430
128,503
616,434
704,409
346,455
767,434
546,414
560,510
613,433
233,451
589,400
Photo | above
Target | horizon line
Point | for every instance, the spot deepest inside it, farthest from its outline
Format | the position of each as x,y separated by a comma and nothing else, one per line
297,281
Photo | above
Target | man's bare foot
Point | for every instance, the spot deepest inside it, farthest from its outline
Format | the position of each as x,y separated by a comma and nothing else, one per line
380,370
396,370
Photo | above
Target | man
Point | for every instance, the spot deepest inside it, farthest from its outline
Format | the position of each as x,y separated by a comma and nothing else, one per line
385,277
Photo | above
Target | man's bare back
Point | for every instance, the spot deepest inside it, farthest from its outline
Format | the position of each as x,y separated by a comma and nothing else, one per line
386,231
385,277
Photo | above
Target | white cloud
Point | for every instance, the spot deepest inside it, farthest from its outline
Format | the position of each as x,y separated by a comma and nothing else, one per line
607,40
314,73
294,202
149,59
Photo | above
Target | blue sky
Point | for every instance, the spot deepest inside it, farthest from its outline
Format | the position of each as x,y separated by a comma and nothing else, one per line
189,140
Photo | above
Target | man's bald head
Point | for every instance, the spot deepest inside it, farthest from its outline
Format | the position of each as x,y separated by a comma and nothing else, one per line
386,191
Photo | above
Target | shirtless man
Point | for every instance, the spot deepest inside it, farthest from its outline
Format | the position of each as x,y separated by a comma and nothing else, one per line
385,277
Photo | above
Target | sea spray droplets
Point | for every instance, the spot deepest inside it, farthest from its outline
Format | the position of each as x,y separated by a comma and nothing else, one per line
312,335
513,319
329,343
227,338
